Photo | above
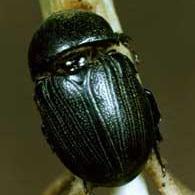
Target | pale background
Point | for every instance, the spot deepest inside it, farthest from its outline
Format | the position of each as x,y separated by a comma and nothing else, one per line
165,36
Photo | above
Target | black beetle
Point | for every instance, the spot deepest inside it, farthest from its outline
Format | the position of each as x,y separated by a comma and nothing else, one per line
96,116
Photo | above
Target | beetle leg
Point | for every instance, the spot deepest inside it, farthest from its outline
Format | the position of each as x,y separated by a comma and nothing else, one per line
158,156
87,188
155,111
156,117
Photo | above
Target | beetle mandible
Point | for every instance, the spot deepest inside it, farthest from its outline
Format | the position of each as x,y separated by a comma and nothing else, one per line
96,116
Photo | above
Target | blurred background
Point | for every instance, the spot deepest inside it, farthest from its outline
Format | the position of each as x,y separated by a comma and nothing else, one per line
164,34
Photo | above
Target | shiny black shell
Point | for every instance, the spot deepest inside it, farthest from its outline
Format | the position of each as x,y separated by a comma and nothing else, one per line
64,31
101,127
99,120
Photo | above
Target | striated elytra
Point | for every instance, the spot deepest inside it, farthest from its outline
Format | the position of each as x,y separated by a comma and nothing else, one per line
96,116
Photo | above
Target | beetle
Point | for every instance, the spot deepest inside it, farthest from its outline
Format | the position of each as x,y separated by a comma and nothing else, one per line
96,116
